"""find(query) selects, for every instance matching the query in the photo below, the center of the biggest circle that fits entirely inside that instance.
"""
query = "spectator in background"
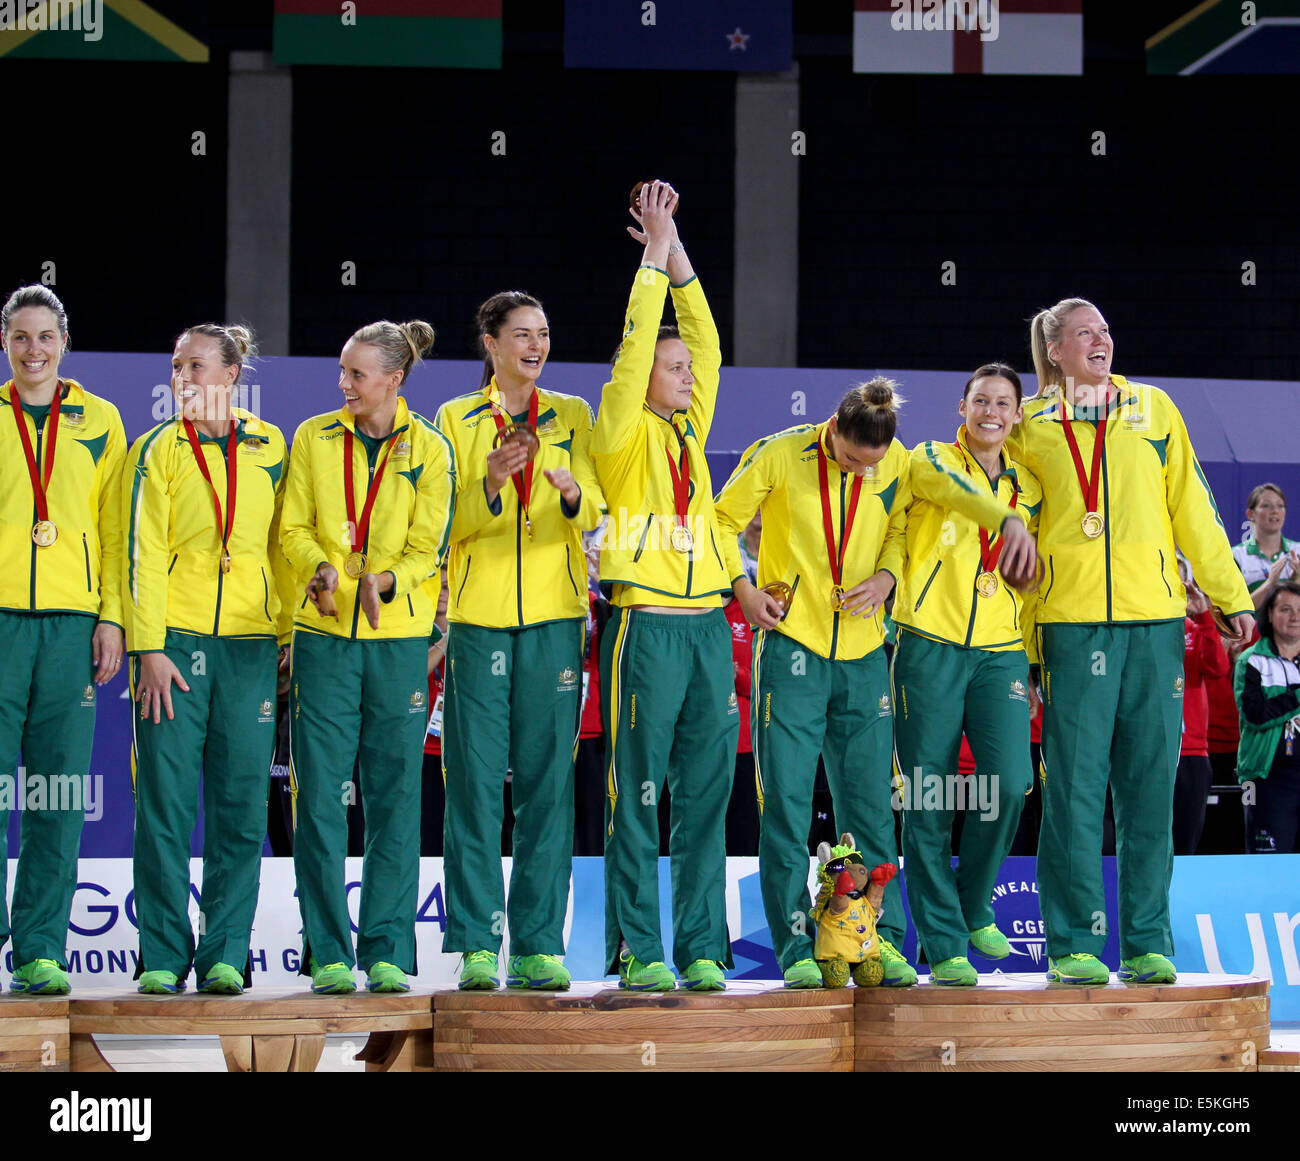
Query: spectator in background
(742, 810)
(1265, 556)
(748, 542)
(589, 767)
(433, 795)
(1266, 682)
(1203, 657)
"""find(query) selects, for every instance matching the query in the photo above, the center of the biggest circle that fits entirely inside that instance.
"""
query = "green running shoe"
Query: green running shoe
(386, 977)
(1151, 968)
(898, 972)
(223, 980)
(543, 973)
(332, 979)
(644, 977)
(480, 972)
(804, 974)
(704, 975)
(990, 942)
(160, 984)
(1077, 968)
(957, 972)
(41, 977)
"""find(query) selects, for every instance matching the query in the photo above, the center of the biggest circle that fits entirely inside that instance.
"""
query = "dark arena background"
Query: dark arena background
(851, 209)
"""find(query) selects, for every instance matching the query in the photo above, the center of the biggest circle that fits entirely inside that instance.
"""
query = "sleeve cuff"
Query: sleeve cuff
(388, 597)
(494, 506)
(570, 512)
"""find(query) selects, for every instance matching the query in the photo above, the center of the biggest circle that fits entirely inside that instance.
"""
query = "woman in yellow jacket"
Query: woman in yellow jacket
(367, 513)
(834, 500)
(61, 453)
(960, 664)
(203, 583)
(668, 695)
(514, 663)
(1121, 488)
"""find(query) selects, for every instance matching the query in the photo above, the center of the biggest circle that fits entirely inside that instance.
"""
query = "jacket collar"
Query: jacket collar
(400, 421)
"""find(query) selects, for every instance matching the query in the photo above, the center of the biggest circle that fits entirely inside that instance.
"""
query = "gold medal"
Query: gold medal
(1093, 525)
(780, 592)
(44, 533)
(837, 598)
(225, 562)
(354, 564)
(681, 539)
(986, 584)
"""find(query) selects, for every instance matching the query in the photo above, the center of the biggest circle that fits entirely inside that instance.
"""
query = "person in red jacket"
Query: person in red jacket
(589, 765)
(742, 809)
(1203, 658)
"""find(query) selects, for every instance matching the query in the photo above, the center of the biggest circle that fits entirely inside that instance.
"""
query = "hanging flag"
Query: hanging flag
(162, 30)
(735, 35)
(968, 36)
(1229, 39)
(454, 34)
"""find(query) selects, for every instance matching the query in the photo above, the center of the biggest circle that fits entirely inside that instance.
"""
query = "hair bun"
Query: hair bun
(420, 335)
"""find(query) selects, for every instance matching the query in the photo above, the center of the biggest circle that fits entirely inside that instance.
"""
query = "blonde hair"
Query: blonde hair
(1045, 328)
(400, 345)
(235, 344)
(868, 414)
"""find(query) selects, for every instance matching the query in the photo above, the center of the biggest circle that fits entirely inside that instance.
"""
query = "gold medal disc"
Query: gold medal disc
(1093, 525)
(780, 592)
(355, 565)
(522, 433)
(225, 562)
(44, 533)
(681, 539)
(837, 598)
(986, 584)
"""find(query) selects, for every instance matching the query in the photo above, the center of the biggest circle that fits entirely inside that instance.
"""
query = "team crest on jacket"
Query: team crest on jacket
(885, 709)
(1018, 691)
(567, 681)
(75, 418)
(88, 695)
(417, 702)
(266, 711)
(401, 448)
(733, 703)
(1178, 686)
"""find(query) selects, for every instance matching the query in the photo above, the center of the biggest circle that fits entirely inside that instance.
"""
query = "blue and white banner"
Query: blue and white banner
(1238, 915)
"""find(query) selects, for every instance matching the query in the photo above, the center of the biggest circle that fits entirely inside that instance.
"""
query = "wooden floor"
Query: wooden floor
(1008, 1023)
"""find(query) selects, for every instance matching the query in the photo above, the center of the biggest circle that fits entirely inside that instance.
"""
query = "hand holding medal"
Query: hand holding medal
(765, 607)
(320, 590)
(867, 597)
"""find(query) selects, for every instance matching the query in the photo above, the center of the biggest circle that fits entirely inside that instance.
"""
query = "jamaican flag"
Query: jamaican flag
(1229, 38)
(164, 30)
(423, 33)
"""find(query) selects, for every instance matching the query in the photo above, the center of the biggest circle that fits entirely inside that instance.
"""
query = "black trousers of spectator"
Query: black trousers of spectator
(1191, 790)
(1273, 822)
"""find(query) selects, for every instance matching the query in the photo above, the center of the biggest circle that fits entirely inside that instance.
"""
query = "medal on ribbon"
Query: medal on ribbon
(356, 563)
(527, 433)
(987, 583)
(834, 553)
(1093, 523)
(680, 537)
(227, 522)
(44, 532)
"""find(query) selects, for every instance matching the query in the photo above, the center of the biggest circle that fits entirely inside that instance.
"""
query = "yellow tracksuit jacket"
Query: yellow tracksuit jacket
(81, 571)
(779, 473)
(409, 525)
(1152, 496)
(631, 446)
(499, 577)
(951, 500)
(172, 575)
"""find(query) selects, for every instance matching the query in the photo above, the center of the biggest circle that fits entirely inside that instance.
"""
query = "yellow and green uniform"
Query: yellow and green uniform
(220, 629)
(959, 665)
(359, 692)
(51, 600)
(820, 681)
(668, 695)
(514, 673)
(1110, 631)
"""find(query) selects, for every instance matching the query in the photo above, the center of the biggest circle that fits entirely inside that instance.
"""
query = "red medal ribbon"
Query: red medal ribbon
(989, 560)
(360, 528)
(1089, 485)
(40, 483)
(836, 557)
(681, 478)
(523, 481)
(232, 480)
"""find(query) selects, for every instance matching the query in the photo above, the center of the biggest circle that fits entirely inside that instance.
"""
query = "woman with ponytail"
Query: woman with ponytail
(518, 582)
(834, 497)
(206, 600)
(1122, 490)
(367, 516)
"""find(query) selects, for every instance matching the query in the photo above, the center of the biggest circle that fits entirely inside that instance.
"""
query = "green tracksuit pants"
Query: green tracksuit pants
(668, 696)
(512, 702)
(224, 730)
(349, 700)
(940, 690)
(1113, 711)
(804, 705)
(47, 711)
